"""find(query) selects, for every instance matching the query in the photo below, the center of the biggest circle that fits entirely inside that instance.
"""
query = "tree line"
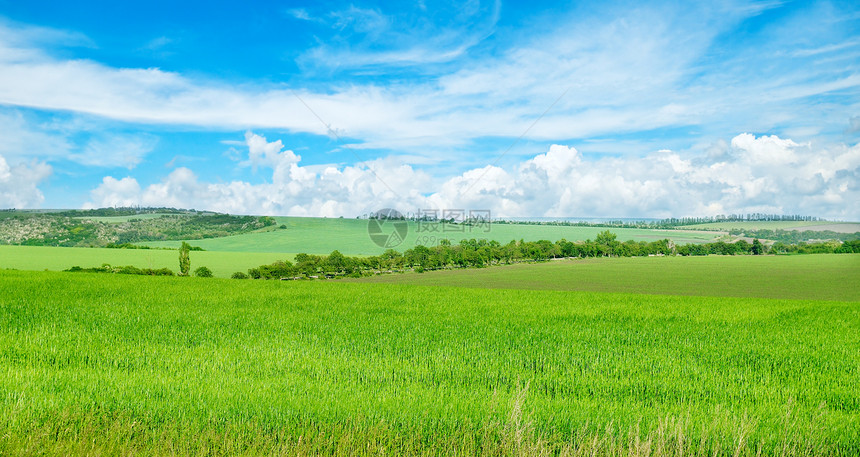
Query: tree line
(482, 253)
(474, 253)
(795, 236)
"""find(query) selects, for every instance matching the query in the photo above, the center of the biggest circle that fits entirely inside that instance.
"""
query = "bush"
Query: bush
(239, 275)
(160, 272)
(203, 272)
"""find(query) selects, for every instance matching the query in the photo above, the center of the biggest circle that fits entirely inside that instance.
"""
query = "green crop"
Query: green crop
(349, 236)
(814, 276)
(222, 264)
(111, 364)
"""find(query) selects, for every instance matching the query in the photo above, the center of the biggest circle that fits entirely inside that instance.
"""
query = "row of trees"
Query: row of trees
(668, 223)
(795, 236)
(483, 253)
(825, 247)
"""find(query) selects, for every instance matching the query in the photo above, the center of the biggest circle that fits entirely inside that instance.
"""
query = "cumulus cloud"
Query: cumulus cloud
(749, 174)
(293, 189)
(19, 183)
(117, 192)
(752, 174)
(263, 153)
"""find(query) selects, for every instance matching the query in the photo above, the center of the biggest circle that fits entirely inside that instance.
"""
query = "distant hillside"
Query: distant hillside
(111, 226)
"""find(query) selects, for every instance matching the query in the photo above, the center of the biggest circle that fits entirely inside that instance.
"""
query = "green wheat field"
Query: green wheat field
(758, 356)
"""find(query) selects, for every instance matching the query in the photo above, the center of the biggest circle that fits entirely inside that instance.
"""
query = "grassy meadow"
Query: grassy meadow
(349, 236)
(222, 264)
(812, 277)
(113, 364)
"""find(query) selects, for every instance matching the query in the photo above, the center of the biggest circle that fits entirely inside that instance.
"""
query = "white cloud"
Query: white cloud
(366, 39)
(764, 174)
(752, 174)
(115, 151)
(645, 68)
(263, 153)
(293, 189)
(299, 13)
(31, 136)
(116, 192)
(853, 125)
(19, 183)
(157, 44)
(20, 139)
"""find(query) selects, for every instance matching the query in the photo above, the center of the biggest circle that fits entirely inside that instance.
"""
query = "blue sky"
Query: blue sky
(622, 109)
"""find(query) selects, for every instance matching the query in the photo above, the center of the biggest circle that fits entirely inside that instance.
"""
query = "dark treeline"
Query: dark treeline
(673, 222)
(127, 211)
(753, 217)
(482, 253)
(826, 247)
(125, 270)
(143, 246)
(795, 236)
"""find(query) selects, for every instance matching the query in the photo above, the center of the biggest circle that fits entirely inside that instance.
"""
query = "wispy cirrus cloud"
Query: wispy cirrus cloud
(109, 151)
(642, 70)
(366, 38)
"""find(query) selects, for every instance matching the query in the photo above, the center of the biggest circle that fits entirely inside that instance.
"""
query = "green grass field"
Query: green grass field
(222, 264)
(112, 364)
(349, 236)
(817, 276)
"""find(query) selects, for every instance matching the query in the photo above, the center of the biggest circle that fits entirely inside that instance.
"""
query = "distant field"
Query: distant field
(349, 236)
(843, 227)
(222, 264)
(123, 365)
(818, 277)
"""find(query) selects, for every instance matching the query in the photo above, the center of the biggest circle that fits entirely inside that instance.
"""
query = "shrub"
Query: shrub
(129, 270)
(160, 272)
(239, 275)
(203, 272)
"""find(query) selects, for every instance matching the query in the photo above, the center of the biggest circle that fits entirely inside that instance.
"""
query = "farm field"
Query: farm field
(222, 264)
(113, 364)
(349, 236)
(841, 227)
(814, 276)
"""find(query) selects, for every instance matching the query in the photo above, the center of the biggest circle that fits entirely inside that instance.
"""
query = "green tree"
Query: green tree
(757, 247)
(336, 262)
(203, 272)
(184, 259)
(606, 240)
